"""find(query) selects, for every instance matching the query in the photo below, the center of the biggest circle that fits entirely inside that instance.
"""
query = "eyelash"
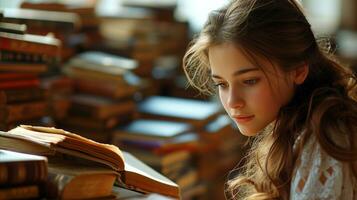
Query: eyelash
(251, 81)
(219, 85)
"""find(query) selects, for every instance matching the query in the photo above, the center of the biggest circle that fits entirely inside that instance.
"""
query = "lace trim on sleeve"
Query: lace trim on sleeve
(319, 176)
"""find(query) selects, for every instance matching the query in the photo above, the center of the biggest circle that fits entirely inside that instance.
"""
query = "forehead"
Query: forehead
(228, 57)
(227, 54)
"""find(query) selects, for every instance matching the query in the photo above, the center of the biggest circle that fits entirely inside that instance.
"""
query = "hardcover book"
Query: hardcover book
(51, 141)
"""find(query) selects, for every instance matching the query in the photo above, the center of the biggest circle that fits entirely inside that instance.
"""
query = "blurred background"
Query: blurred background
(110, 70)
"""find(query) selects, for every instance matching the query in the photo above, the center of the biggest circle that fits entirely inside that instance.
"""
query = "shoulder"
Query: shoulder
(317, 175)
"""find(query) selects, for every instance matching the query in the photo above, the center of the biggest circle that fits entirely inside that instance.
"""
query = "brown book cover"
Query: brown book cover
(71, 180)
(20, 192)
(30, 43)
(43, 19)
(20, 168)
(16, 76)
(104, 88)
(87, 74)
(50, 141)
(2, 99)
(25, 111)
(24, 57)
(21, 95)
(34, 68)
(103, 62)
(99, 107)
(90, 123)
(18, 84)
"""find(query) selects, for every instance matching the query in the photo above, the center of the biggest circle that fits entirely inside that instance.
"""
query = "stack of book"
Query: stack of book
(24, 58)
(104, 89)
(222, 141)
(216, 136)
(59, 24)
(23, 176)
(165, 135)
(87, 31)
(164, 145)
(79, 168)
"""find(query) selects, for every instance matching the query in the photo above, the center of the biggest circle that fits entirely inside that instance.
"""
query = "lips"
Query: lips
(243, 118)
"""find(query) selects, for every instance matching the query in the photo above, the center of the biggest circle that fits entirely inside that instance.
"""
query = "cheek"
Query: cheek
(263, 100)
(223, 96)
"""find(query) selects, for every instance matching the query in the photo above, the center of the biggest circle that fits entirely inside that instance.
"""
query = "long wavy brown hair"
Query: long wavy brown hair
(324, 105)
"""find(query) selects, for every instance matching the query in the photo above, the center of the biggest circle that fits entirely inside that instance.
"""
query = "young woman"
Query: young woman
(282, 88)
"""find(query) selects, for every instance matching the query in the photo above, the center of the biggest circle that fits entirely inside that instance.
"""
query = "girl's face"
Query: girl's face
(251, 97)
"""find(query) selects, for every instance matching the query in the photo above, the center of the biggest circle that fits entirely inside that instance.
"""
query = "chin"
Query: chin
(247, 131)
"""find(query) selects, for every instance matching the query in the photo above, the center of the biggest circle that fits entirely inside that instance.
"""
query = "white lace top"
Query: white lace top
(319, 176)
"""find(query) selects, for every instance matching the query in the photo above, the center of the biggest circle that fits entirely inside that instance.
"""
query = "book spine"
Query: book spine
(26, 111)
(27, 47)
(2, 98)
(12, 56)
(16, 76)
(23, 67)
(104, 89)
(23, 173)
(18, 84)
(22, 192)
(23, 95)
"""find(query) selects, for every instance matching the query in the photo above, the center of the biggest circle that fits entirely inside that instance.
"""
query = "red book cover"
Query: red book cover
(17, 84)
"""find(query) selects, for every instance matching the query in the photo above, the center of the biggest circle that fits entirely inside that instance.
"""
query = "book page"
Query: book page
(134, 165)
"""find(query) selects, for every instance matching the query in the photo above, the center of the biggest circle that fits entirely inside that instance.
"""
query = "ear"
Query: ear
(300, 74)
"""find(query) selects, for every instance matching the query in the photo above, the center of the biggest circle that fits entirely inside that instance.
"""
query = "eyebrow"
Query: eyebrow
(238, 72)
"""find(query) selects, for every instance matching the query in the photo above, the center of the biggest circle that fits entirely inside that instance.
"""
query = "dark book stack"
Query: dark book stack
(164, 145)
(157, 43)
(60, 25)
(24, 58)
(103, 95)
(223, 142)
(167, 128)
(23, 176)
(216, 137)
(87, 32)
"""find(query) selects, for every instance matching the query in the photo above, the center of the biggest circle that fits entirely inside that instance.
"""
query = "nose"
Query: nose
(235, 99)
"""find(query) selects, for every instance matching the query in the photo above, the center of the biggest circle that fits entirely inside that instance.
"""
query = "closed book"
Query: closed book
(71, 180)
(103, 62)
(20, 168)
(104, 88)
(18, 84)
(30, 43)
(23, 67)
(25, 57)
(150, 130)
(41, 18)
(198, 113)
(22, 95)
(20, 192)
(99, 107)
(89, 123)
(16, 76)
(13, 28)
(25, 111)
(87, 74)
(51, 141)
(188, 142)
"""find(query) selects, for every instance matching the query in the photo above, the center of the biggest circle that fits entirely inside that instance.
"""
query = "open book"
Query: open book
(133, 173)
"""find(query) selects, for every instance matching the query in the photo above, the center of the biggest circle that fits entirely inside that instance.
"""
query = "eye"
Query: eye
(220, 85)
(251, 81)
